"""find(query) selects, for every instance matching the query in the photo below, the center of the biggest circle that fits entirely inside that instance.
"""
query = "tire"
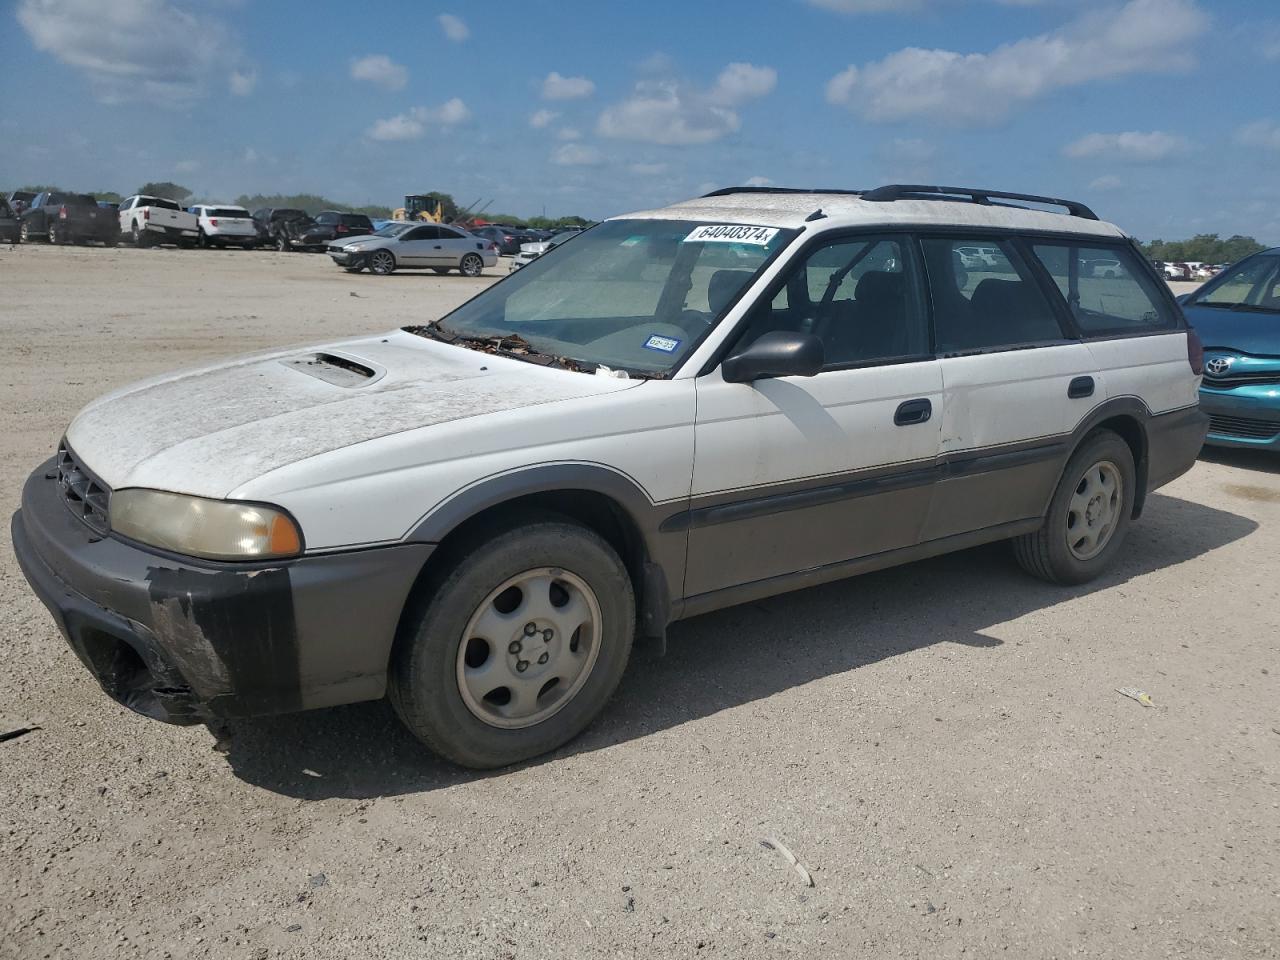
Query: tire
(202, 240)
(432, 684)
(353, 269)
(24, 232)
(382, 262)
(282, 245)
(140, 238)
(1087, 520)
(54, 235)
(471, 265)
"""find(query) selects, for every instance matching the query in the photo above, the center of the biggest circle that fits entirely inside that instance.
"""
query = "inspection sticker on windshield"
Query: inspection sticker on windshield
(664, 344)
(732, 233)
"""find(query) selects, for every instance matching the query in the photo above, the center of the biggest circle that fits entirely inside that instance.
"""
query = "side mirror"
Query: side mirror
(1182, 298)
(778, 353)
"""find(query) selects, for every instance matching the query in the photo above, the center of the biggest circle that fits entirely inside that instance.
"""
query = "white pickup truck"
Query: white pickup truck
(148, 220)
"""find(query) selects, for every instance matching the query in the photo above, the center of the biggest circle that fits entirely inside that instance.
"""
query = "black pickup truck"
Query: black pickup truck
(69, 218)
(282, 227)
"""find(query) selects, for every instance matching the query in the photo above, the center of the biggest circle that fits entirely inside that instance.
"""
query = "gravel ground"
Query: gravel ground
(941, 744)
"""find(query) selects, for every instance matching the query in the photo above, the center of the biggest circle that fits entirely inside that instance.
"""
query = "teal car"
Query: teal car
(1237, 315)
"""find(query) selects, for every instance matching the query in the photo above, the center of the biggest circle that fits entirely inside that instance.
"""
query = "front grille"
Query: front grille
(1242, 380)
(1246, 428)
(85, 496)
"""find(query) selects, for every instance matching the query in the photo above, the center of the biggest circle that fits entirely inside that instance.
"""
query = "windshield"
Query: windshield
(635, 295)
(395, 229)
(229, 212)
(1252, 284)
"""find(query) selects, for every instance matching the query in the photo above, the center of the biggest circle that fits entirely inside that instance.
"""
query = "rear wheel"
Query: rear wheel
(518, 648)
(54, 235)
(471, 265)
(282, 244)
(382, 262)
(1088, 516)
(139, 236)
(24, 233)
(202, 240)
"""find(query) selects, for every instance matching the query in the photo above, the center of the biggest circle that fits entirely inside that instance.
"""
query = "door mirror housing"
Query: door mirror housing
(778, 353)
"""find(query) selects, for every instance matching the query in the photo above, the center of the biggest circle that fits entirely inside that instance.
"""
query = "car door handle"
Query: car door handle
(1080, 387)
(913, 411)
(438, 247)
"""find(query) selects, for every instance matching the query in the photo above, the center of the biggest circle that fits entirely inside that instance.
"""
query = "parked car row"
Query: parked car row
(1189, 271)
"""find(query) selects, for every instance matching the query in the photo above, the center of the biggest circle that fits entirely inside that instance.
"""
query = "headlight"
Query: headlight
(353, 247)
(212, 529)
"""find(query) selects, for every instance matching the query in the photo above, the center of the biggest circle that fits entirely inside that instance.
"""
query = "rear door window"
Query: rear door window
(1106, 288)
(985, 298)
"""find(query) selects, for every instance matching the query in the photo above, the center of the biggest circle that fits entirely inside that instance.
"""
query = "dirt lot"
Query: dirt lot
(942, 744)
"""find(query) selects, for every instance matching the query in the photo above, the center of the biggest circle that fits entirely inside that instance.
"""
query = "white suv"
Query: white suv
(685, 408)
(223, 225)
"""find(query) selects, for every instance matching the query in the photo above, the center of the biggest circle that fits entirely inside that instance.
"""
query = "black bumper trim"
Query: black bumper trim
(188, 641)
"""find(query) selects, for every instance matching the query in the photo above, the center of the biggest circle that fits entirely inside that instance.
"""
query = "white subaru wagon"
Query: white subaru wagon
(685, 408)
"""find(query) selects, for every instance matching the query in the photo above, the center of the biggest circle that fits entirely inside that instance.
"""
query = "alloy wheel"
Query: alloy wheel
(529, 648)
(1094, 510)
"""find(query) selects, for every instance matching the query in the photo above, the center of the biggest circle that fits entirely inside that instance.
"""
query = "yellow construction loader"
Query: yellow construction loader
(419, 207)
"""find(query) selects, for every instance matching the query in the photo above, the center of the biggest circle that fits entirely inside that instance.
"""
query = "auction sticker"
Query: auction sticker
(731, 233)
(665, 344)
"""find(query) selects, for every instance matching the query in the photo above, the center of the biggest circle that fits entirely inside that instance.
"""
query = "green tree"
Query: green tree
(311, 203)
(165, 191)
(108, 195)
(1204, 247)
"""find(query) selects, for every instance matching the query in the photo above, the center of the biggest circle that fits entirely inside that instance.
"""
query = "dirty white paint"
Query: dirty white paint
(208, 431)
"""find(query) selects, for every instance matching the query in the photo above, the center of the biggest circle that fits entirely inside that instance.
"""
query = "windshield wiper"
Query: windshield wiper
(517, 347)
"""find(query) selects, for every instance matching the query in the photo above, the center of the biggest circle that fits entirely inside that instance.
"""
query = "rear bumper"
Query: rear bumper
(1247, 419)
(186, 642)
(174, 233)
(1173, 444)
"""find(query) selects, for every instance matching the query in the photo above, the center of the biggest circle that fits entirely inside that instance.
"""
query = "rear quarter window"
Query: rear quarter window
(1106, 288)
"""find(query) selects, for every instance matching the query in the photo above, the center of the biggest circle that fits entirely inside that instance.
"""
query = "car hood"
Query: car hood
(370, 241)
(208, 431)
(540, 247)
(1245, 331)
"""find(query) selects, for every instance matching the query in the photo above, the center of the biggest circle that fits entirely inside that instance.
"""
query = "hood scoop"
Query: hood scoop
(337, 370)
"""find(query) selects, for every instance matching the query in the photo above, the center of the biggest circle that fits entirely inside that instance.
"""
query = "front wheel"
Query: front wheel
(1088, 516)
(382, 262)
(518, 647)
(471, 265)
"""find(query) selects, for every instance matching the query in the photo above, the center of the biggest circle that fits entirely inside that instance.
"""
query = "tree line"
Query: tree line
(1203, 248)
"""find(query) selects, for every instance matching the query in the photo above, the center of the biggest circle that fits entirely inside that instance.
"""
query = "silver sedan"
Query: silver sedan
(415, 246)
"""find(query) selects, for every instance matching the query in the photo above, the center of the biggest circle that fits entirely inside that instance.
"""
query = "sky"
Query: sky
(1163, 115)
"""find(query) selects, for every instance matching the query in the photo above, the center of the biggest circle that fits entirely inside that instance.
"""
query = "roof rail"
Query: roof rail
(729, 191)
(912, 191)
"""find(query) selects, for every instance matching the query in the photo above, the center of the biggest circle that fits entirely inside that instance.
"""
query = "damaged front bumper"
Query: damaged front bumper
(187, 641)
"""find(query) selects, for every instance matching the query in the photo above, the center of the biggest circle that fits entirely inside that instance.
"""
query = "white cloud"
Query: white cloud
(1261, 133)
(412, 125)
(1142, 36)
(380, 69)
(576, 155)
(671, 112)
(569, 133)
(556, 87)
(454, 27)
(1131, 145)
(243, 82)
(542, 118)
(1105, 183)
(137, 49)
(758, 182)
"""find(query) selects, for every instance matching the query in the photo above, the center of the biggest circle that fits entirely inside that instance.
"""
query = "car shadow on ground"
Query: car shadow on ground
(1261, 461)
(730, 657)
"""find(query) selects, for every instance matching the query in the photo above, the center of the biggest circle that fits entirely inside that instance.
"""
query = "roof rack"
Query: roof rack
(912, 191)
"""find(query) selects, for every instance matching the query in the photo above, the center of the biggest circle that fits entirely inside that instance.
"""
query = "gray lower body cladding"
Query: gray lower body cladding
(188, 642)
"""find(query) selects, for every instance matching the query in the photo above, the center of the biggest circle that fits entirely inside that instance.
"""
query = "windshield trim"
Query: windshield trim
(792, 237)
